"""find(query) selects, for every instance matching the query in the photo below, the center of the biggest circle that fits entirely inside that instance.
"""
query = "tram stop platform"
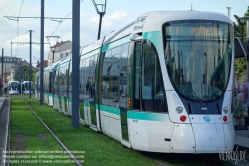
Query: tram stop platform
(4, 128)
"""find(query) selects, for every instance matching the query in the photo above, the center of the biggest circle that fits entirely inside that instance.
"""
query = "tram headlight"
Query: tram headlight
(179, 109)
(225, 110)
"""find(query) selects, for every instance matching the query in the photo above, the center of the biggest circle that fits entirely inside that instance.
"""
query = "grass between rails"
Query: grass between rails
(30, 139)
(99, 149)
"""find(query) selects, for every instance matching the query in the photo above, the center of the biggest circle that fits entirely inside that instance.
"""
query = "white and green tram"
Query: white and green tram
(14, 88)
(161, 84)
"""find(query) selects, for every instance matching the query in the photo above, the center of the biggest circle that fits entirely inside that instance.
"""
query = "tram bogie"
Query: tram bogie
(160, 84)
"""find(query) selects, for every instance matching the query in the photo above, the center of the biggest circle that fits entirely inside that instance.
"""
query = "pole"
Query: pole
(100, 21)
(4, 74)
(30, 61)
(2, 70)
(11, 48)
(53, 57)
(75, 62)
(42, 53)
(20, 73)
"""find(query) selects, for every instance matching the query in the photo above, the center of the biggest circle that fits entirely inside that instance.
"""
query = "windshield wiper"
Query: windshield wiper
(181, 74)
(193, 92)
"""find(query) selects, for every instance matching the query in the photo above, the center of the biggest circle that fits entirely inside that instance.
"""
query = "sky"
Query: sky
(118, 14)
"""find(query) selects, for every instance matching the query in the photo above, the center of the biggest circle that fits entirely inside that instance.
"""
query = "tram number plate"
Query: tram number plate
(135, 120)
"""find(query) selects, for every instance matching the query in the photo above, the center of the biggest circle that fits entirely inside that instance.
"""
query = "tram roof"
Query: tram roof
(66, 59)
(24, 82)
(155, 19)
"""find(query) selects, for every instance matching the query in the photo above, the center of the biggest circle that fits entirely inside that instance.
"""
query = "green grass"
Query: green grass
(99, 149)
(28, 134)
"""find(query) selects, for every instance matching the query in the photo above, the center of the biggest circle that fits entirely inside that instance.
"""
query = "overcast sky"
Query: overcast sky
(118, 14)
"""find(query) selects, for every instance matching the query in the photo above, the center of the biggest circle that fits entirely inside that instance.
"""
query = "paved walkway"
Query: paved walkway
(242, 138)
(242, 141)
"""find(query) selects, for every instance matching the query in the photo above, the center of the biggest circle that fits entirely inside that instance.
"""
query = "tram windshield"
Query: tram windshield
(26, 85)
(198, 57)
(13, 86)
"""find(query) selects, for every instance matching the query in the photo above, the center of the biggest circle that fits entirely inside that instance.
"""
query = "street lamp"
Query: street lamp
(101, 13)
(53, 50)
(228, 11)
(246, 18)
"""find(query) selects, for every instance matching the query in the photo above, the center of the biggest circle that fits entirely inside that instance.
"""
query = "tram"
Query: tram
(26, 87)
(14, 87)
(160, 84)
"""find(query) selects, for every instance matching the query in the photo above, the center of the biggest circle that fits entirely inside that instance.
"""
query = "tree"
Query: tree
(240, 31)
(24, 73)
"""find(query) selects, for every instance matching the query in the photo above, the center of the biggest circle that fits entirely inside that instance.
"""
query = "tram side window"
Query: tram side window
(87, 78)
(45, 86)
(106, 77)
(45, 82)
(61, 80)
(153, 93)
(84, 79)
(110, 77)
(66, 78)
(81, 79)
(114, 77)
(70, 81)
(123, 76)
(94, 74)
(56, 82)
(91, 80)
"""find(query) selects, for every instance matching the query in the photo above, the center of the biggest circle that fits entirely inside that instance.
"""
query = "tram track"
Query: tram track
(153, 159)
(72, 156)
(159, 163)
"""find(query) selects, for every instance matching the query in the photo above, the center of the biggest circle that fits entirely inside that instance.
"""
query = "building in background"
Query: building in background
(7, 63)
(16, 69)
(59, 51)
(39, 64)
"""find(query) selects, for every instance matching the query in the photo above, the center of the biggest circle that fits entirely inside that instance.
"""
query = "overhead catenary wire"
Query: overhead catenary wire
(17, 31)
(59, 6)
(19, 8)
(62, 21)
(35, 18)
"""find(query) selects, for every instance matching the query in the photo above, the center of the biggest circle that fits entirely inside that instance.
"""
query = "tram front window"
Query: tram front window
(198, 57)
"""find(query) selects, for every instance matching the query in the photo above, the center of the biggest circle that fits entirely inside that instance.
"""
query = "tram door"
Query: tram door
(123, 90)
(90, 112)
(149, 94)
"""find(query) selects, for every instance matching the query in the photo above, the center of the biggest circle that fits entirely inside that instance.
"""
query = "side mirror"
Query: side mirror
(241, 48)
(134, 37)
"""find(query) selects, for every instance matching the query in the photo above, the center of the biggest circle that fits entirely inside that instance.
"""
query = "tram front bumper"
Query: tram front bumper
(202, 138)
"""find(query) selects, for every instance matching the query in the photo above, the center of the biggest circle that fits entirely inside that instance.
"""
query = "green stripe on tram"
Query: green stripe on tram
(89, 54)
(116, 43)
(147, 116)
(109, 109)
(87, 104)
